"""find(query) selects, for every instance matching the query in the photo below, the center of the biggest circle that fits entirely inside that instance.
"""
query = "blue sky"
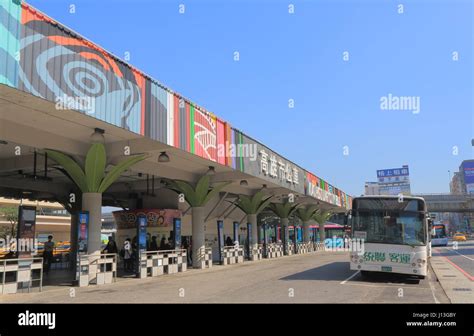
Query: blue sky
(300, 56)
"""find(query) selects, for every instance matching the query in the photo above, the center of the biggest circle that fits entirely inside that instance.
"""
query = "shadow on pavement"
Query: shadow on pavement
(387, 278)
(336, 271)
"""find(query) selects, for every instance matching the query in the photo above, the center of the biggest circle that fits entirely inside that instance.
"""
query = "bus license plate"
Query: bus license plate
(386, 269)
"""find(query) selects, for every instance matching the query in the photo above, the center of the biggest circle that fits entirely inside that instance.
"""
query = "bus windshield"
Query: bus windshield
(439, 231)
(390, 227)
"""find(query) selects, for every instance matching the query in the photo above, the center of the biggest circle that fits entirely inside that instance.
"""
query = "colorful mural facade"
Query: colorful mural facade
(40, 56)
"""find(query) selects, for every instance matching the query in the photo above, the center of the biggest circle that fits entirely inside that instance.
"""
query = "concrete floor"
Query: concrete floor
(321, 277)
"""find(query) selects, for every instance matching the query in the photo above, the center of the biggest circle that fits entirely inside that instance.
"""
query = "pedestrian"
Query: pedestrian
(127, 255)
(163, 244)
(153, 244)
(111, 247)
(228, 241)
(168, 245)
(48, 254)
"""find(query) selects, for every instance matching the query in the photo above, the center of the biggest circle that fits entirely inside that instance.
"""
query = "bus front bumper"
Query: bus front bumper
(396, 269)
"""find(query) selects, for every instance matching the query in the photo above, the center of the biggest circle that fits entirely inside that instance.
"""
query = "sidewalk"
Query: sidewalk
(457, 286)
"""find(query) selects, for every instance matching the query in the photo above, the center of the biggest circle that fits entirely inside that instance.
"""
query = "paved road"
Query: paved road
(461, 255)
(321, 277)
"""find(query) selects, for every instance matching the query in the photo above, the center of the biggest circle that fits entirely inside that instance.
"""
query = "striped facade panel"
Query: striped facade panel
(183, 122)
(229, 142)
(59, 66)
(156, 113)
(10, 30)
(237, 159)
(221, 142)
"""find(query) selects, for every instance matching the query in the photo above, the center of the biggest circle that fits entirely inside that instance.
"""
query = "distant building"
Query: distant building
(462, 181)
(455, 186)
(393, 181)
(372, 188)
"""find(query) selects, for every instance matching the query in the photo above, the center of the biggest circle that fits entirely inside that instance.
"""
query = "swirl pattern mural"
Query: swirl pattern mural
(68, 67)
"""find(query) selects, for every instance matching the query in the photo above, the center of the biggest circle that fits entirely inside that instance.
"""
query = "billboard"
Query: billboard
(154, 217)
(468, 172)
(394, 181)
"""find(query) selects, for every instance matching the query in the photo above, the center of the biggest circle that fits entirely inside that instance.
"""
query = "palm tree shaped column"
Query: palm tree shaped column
(197, 196)
(306, 214)
(252, 206)
(321, 217)
(284, 211)
(93, 182)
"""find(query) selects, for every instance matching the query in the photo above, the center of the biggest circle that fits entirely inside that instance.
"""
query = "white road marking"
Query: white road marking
(349, 278)
(462, 255)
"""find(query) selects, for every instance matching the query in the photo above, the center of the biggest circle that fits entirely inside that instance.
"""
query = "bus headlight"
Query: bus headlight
(413, 264)
(418, 261)
(415, 271)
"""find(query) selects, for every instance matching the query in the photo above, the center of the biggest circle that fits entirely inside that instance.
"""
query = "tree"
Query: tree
(197, 196)
(10, 214)
(321, 217)
(93, 181)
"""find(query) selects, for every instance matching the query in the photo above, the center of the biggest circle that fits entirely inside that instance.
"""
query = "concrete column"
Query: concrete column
(198, 244)
(306, 232)
(252, 219)
(284, 234)
(322, 233)
(92, 202)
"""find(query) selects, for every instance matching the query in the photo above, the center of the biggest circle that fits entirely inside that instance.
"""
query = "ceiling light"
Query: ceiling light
(163, 157)
(98, 136)
(211, 171)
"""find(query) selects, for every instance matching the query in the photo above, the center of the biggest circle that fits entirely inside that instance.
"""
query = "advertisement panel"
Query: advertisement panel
(26, 231)
(177, 232)
(468, 171)
(141, 233)
(83, 232)
(394, 181)
(128, 219)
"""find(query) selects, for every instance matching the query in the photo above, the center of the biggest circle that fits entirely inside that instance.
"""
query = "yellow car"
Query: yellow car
(459, 237)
